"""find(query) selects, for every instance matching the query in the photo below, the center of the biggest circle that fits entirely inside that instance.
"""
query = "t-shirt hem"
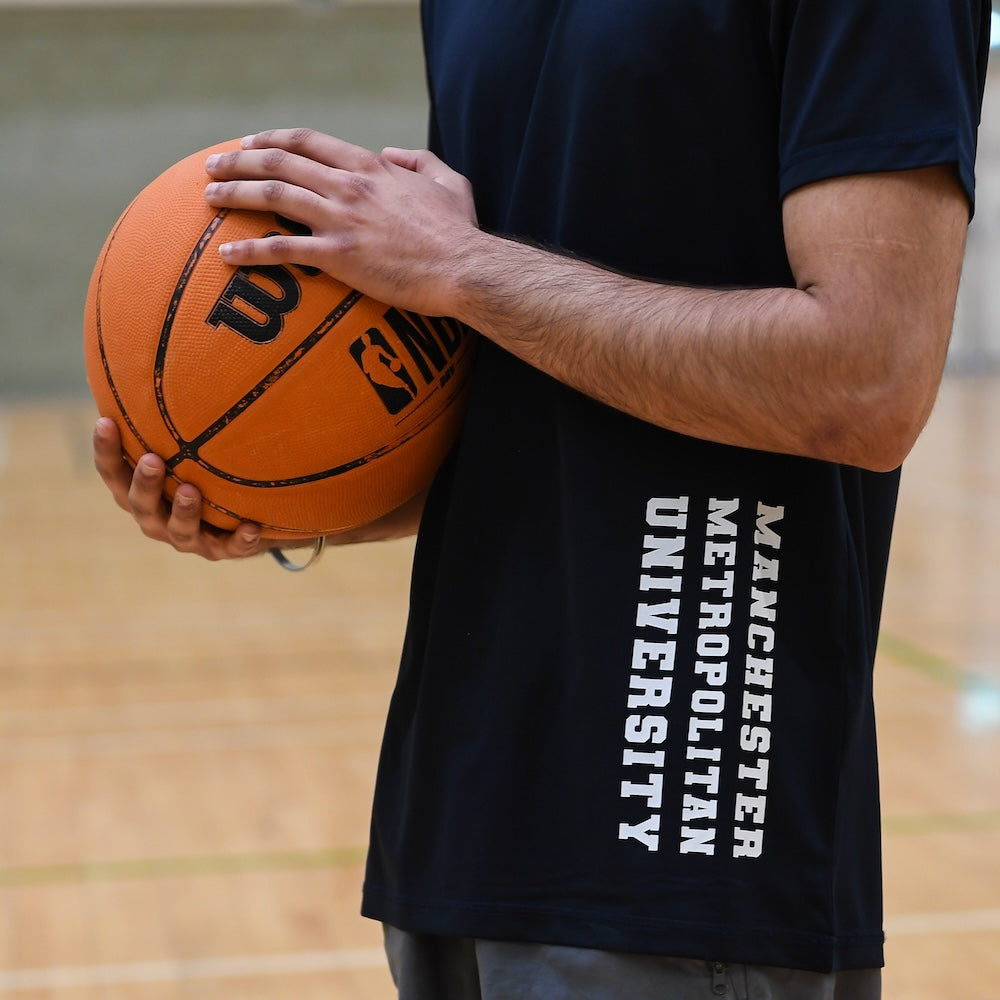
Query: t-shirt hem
(783, 948)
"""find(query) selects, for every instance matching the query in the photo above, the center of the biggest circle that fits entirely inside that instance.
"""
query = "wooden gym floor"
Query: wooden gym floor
(187, 750)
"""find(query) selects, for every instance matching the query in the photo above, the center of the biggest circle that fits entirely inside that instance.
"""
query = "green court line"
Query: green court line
(936, 667)
(943, 823)
(140, 868)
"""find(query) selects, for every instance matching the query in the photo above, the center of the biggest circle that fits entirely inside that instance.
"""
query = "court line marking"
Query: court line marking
(179, 867)
(118, 869)
(909, 655)
(89, 718)
(237, 737)
(942, 823)
(188, 969)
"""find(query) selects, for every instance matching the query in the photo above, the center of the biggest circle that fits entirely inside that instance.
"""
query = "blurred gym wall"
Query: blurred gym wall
(96, 98)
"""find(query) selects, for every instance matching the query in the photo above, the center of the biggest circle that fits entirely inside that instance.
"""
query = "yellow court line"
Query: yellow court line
(942, 823)
(141, 868)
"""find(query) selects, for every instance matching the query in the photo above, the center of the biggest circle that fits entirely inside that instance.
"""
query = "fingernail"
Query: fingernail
(226, 250)
(250, 535)
(213, 161)
(211, 190)
(247, 140)
(103, 427)
(147, 468)
(184, 501)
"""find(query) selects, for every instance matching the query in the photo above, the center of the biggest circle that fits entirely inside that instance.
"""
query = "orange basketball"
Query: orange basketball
(286, 397)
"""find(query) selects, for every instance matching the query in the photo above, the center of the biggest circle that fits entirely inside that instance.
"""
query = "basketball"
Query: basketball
(286, 397)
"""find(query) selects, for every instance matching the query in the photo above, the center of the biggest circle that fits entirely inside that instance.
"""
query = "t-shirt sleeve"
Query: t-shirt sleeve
(872, 85)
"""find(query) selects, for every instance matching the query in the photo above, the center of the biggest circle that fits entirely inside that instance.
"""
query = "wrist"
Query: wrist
(479, 287)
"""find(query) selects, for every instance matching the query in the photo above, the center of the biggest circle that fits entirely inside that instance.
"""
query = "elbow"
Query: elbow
(888, 452)
(875, 425)
(876, 387)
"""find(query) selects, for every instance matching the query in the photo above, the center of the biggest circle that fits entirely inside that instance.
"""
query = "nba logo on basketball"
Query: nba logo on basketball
(384, 370)
(429, 343)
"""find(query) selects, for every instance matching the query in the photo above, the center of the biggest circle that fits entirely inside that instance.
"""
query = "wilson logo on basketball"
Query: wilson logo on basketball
(269, 302)
(429, 343)
(264, 319)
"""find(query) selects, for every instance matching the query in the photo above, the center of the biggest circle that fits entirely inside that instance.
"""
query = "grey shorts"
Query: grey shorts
(429, 967)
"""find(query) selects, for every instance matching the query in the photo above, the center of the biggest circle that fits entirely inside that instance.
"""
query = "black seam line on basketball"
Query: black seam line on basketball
(346, 466)
(320, 529)
(100, 341)
(189, 449)
(338, 470)
(168, 319)
(325, 473)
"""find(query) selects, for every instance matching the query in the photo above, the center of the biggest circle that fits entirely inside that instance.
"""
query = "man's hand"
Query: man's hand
(393, 225)
(140, 493)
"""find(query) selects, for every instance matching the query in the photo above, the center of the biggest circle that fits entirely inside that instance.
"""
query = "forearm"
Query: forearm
(844, 367)
(721, 365)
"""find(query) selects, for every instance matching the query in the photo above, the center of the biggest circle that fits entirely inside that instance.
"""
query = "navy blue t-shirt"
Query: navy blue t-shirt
(634, 709)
